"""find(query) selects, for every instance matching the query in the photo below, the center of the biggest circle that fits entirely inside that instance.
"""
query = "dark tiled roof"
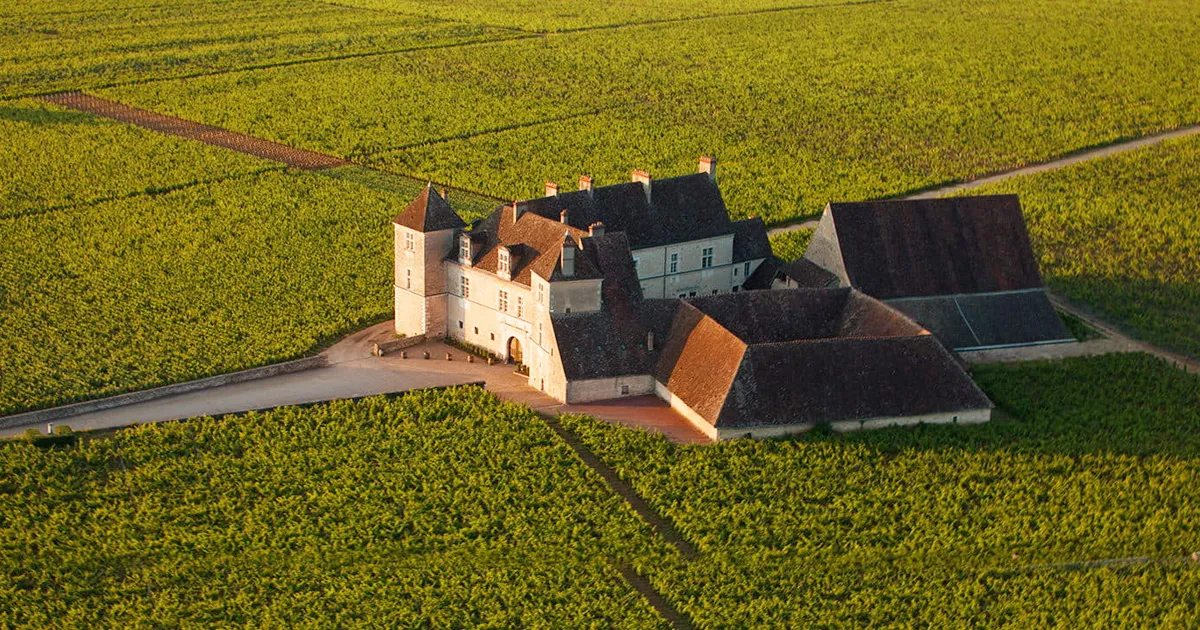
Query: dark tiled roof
(750, 240)
(429, 212)
(981, 320)
(684, 208)
(807, 274)
(798, 356)
(764, 275)
(611, 343)
(846, 379)
(894, 249)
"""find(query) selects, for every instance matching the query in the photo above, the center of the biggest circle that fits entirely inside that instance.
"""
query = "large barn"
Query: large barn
(962, 267)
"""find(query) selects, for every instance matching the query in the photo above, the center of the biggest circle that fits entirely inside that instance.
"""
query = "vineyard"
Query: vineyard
(48, 49)
(817, 105)
(450, 509)
(208, 279)
(1120, 235)
(945, 525)
(791, 245)
(437, 509)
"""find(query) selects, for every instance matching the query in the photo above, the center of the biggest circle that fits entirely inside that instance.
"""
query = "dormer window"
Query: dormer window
(504, 264)
(464, 249)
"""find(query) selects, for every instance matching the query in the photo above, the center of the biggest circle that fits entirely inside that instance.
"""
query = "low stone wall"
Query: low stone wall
(388, 347)
(42, 416)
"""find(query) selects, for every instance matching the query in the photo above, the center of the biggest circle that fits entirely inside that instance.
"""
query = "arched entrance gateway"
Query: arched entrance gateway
(514, 351)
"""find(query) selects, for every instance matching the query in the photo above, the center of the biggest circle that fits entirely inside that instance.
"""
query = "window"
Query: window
(706, 258)
(464, 249)
(735, 270)
(674, 263)
(408, 278)
(692, 294)
(504, 262)
(735, 288)
(520, 305)
(747, 270)
(567, 310)
(476, 330)
(624, 390)
(714, 291)
(682, 295)
(408, 241)
(539, 333)
(464, 286)
(493, 336)
(460, 324)
(541, 294)
(503, 306)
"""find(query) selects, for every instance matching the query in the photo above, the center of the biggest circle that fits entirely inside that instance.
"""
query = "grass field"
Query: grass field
(817, 105)
(945, 525)
(432, 510)
(1122, 235)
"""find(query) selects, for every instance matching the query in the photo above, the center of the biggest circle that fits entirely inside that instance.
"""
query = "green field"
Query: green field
(154, 289)
(791, 245)
(1122, 235)
(432, 510)
(450, 509)
(801, 107)
(945, 526)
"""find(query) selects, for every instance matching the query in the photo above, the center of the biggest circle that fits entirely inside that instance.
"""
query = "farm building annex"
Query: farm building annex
(648, 287)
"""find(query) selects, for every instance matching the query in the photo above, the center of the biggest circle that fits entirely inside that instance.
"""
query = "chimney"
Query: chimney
(516, 211)
(562, 216)
(443, 192)
(585, 183)
(643, 178)
(596, 229)
(708, 165)
(568, 256)
(551, 189)
(650, 341)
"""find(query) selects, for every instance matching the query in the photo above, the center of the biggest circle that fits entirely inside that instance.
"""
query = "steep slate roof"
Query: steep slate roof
(683, 208)
(540, 240)
(924, 247)
(766, 358)
(429, 212)
(606, 344)
(750, 240)
(988, 320)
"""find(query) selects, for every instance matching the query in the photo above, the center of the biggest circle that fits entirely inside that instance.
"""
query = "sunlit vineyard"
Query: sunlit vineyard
(791, 245)
(45, 48)
(209, 279)
(1122, 235)
(437, 509)
(817, 105)
(52, 157)
(905, 524)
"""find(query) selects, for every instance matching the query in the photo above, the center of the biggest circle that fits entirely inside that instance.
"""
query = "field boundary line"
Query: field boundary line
(275, 64)
(1112, 331)
(623, 489)
(149, 192)
(715, 16)
(643, 587)
(1084, 565)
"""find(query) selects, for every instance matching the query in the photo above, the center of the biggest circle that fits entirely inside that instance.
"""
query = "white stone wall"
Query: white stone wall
(420, 280)
(654, 269)
(606, 388)
(575, 296)
(478, 318)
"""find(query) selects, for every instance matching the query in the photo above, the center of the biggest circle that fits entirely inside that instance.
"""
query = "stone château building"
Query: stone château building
(648, 287)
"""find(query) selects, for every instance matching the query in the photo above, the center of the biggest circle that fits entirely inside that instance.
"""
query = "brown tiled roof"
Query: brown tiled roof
(797, 356)
(540, 240)
(429, 212)
(910, 248)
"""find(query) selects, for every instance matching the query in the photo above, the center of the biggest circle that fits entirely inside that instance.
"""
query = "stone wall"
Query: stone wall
(57, 413)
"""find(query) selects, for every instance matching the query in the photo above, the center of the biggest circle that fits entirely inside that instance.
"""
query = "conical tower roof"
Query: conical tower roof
(429, 212)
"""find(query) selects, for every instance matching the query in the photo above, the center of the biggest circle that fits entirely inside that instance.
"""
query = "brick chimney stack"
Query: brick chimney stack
(562, 216)
(708, 165)
(643, 178)
(551, 189)
(585, 183)
(596, 229)
(516, 211)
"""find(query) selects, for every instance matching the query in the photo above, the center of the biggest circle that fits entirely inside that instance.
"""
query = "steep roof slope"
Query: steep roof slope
(911, 248)
(429, 212)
